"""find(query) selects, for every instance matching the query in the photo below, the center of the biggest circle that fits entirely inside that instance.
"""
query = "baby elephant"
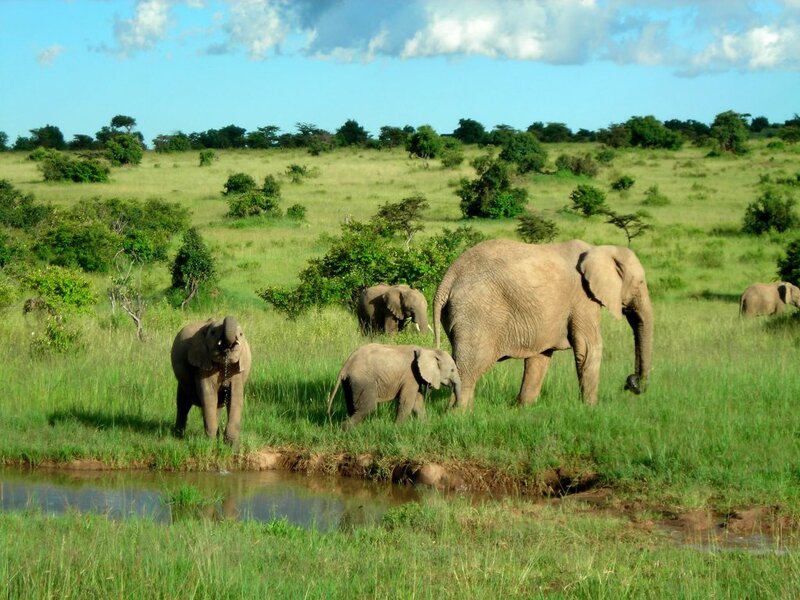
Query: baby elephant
(768, 298)
(211, 361)
(378, 373)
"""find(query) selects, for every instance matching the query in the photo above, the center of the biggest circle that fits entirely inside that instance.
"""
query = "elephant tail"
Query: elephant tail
(332, 395)
(439, 300)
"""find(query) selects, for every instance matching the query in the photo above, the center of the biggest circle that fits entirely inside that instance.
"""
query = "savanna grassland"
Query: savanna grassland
(716, 431)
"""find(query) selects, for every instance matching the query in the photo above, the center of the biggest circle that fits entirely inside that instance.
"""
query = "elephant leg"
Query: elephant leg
(361, 403)
(588, 355)
(209, 403)
(184, 404)
(472, 362)
(234, 404)
(390, 325)
(533, 376)
(419, 407)
(407, 400)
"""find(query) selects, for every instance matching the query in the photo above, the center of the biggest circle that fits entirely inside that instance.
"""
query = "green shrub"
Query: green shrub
(653, 197)
(524, 150)
(577, 165)
(535, 228)
(8, 291)
(789, 264)
(296, 212)
(297, 172)
(605, 156)
(772, 211)
(41, 153)
(61, 167)
(251, 204)
(271, 187)
(207, 157)
(193, 267)
(239, 183)
(625, 182)
(60, 287)
(19, 210)
(491, 194)
(588, 200)
(452, 156)
(57, 338)
(90, 246)
(124, 149)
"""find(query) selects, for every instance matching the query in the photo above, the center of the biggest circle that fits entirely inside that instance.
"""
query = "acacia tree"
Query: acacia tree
(405, 216)
(424, 143)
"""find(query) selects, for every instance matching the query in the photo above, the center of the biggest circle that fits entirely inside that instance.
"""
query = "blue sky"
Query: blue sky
(193, 65)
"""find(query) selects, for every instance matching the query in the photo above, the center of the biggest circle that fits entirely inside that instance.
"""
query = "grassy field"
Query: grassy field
(716, 429)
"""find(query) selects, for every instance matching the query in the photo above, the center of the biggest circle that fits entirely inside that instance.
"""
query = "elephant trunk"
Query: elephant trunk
(640, 317)
(421, 319)
(230, 329)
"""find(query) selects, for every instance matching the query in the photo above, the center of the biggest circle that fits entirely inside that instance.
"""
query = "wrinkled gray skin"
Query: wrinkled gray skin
(199, 356)
(385, 308)
(378, 373)
(768, 298)
(505, 299)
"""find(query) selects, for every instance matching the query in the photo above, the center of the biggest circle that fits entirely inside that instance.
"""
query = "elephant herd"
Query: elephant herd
(500, 299)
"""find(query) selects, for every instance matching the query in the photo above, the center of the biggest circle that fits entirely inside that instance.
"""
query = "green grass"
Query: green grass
(717, 428)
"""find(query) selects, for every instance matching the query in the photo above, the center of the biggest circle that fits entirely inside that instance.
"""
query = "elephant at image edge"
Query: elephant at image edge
(211, 361)
(379, 372)
(504, 299)
(384, 308)
(768, 298)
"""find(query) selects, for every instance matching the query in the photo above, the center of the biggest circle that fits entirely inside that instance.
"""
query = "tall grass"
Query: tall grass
(716, 425)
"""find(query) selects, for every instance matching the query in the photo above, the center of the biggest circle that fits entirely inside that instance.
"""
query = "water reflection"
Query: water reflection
(321, 503)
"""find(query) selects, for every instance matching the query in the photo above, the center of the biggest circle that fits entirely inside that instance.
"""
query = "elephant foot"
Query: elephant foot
(632, 384)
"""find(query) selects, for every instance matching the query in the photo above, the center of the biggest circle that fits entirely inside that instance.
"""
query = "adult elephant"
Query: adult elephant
(211, 361)
(768, 298)
(504, 299)
(384, 308)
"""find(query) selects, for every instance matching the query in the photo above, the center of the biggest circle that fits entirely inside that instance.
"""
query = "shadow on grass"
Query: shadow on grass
(719, 296)
(105, 420)
(786, 323)
(297, 399)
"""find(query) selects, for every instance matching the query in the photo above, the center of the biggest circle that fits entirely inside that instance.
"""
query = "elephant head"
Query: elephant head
(614, 277)
(436, 368)
(789, 293)
(216, 344)
(404, 302)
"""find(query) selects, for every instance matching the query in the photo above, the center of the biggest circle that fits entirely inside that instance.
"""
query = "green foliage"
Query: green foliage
(351, 134)
(297, 172)
(404, 217)
(61, 167)
(789, 264)
(731, 133)
(624, 182)
(588, 200)
(649, 132)
(124, 149)
(577, 165)
(19, 210)
(194, 266)
(470, 131)
(60, 287)
(772, 211)
(632, 224)
(654, 197)
(491, 194)
(366, 253)
(296, 212)
(452, 154)
(271, 187)
(239, 183)
(178, 142)
(525, 151)
(424, 143)
(252, 203)
(90, 246)
(207, 156)
(57, 338)
(535, 228)
(41, 153)
(605, 156)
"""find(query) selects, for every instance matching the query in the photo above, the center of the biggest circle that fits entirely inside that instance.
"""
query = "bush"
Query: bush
(653, 197)
(193, 267)
(605, 156)
(124, 149)
(207, 156)
(42, 153)
(61, 167)
(252, 203)
(491, 194)
(772, 211)
(19, 210)
(577, 165)
(789, 265)
(588, 200)
(452, 156)
(63, 288)
(535, 228)
(297, 172)
(296, 212)
(271, 187)
(625, 182)
(525, 151)
(89, 246)
(239, 183)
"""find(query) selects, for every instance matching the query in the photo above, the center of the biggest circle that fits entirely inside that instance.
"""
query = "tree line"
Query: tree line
(639, 131)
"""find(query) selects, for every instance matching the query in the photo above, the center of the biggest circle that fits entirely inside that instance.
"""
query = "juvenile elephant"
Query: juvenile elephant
(378, 373)
(768, 298)
(385, 308)
(211, 361)
(504, 299)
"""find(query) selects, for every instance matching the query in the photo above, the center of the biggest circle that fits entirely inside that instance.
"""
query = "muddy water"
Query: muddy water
(323, 503)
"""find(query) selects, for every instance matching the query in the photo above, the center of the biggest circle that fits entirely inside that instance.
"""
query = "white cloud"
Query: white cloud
(759, 48)
(47, 56)
(147, 27)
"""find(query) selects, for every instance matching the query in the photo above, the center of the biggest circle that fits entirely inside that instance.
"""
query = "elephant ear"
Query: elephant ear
(784, 292)
(603, 274)
(198, 354)
(428, 367)
(394, 303)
